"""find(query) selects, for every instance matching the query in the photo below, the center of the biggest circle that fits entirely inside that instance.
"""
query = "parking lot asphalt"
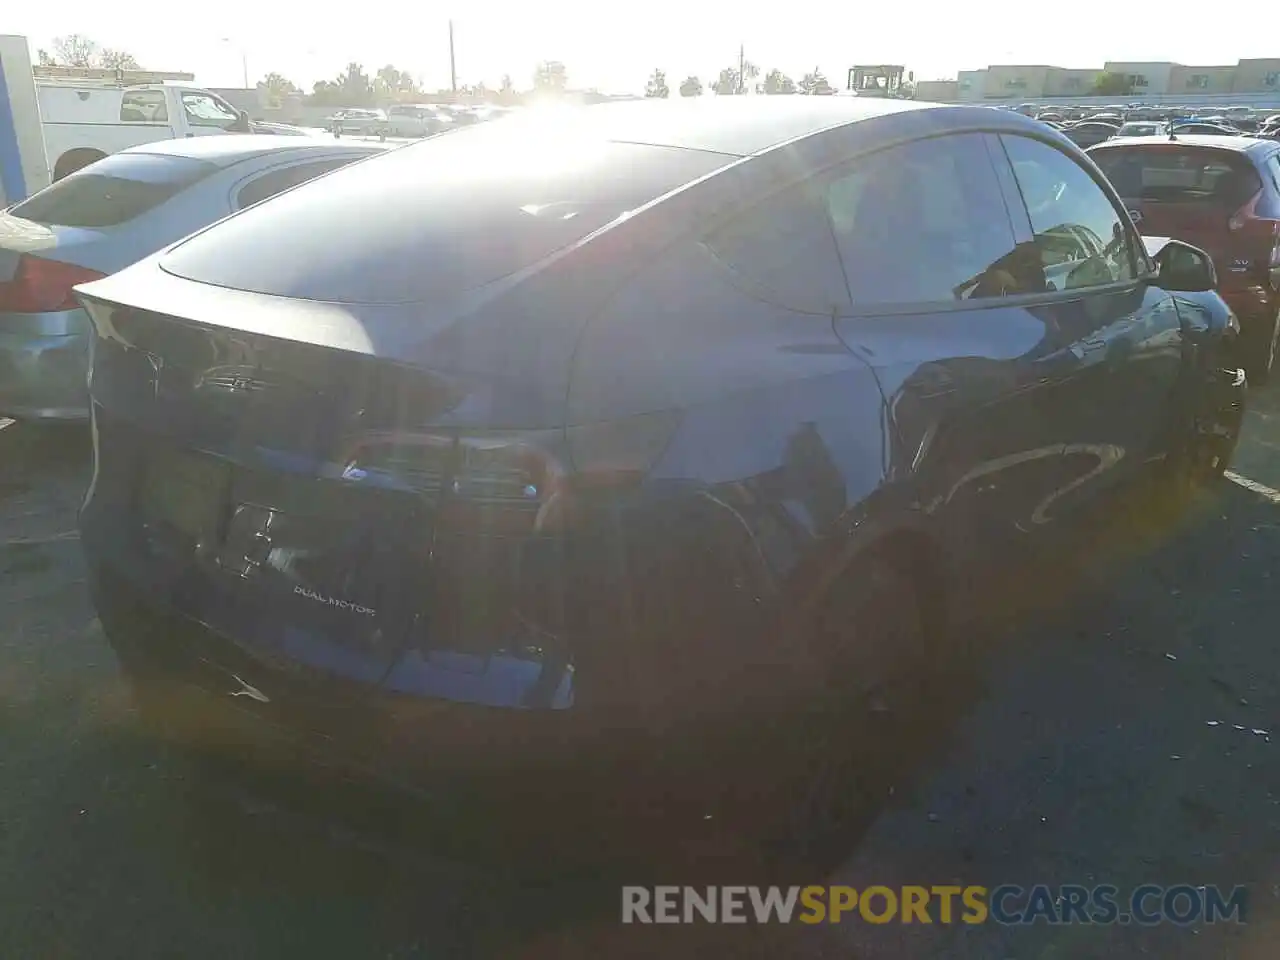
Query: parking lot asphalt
(1123, 731)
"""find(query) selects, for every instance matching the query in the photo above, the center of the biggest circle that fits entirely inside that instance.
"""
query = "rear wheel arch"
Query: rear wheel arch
(75, 159)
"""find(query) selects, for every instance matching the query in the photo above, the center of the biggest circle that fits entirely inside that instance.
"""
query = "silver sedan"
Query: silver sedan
(109, 215)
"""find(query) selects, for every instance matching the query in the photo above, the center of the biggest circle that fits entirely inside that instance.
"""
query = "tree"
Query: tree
(657, 86)
(727, 83)
(323, 94)
(118, 60)
(354, 86)
(692, 87)
(75, 50)
(1112, 84)
(815, 83)
(279, 84)
(748, 73)
(776, 81)
(507, 90)
(393, 84)
(549, 77)
(276, 87)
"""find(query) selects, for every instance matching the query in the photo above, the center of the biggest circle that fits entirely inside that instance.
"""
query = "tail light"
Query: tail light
(1264, 230)
(486, 484)
(509, 483)
(1246, 214)
(43, 286)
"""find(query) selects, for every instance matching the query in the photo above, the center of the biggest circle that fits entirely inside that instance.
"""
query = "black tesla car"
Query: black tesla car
(578, 448)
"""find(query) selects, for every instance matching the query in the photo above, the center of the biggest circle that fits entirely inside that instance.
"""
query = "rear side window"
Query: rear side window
(926, 223)
(144, 106)
(782, 251)
(1273, 168)
(438, 217)
(113, 191)
(1169, 173)
(278, 181)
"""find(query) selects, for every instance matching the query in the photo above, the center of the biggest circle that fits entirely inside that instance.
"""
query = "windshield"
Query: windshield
(203, 109)
(113, 191)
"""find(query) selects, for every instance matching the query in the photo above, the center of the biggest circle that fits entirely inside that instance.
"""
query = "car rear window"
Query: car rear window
(113, 191)
(1174, 174)
(436, 218)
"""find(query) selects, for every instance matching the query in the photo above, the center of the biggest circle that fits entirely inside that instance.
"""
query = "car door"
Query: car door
(937, 283)
(1116, 338)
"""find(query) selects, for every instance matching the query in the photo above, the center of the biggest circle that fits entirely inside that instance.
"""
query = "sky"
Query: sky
(615, 47)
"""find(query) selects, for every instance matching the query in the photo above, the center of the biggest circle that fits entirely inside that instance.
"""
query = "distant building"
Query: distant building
(938, 91)
(971, 84)
(1146, 79)
(1257, 76)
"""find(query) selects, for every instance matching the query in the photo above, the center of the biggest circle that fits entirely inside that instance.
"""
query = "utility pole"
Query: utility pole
(453, 67)
(742, 65)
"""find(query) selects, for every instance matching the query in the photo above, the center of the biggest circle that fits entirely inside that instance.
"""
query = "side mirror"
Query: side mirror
(241, 124)
(1182, 268)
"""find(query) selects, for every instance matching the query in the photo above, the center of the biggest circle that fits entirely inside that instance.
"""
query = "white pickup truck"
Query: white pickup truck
(84, 120)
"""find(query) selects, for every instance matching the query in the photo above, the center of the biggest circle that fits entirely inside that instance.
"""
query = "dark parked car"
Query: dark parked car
(654, 455)
(1088, 132)
(1223, 195)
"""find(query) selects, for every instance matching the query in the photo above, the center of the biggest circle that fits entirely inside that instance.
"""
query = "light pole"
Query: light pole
(453, 65)
(244, 60)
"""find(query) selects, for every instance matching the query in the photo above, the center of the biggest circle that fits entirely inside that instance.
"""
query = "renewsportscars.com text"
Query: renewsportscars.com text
(1008, 904)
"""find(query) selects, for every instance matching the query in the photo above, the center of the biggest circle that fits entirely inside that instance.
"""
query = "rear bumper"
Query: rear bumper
(235, 703)
(44, 365)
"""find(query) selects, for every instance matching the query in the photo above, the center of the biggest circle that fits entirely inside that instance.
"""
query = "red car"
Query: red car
(1221, 194)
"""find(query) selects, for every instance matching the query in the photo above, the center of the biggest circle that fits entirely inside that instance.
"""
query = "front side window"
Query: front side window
(926, 223)
(1080, 236)
(202, 110)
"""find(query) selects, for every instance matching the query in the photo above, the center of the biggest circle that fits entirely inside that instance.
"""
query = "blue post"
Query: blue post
(12, 180)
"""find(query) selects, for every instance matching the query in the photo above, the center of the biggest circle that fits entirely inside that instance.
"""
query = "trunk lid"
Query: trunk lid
(219, 484)
(228, 427)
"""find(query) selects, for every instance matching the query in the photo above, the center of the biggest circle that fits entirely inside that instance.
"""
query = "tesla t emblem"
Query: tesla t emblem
(248, 690)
